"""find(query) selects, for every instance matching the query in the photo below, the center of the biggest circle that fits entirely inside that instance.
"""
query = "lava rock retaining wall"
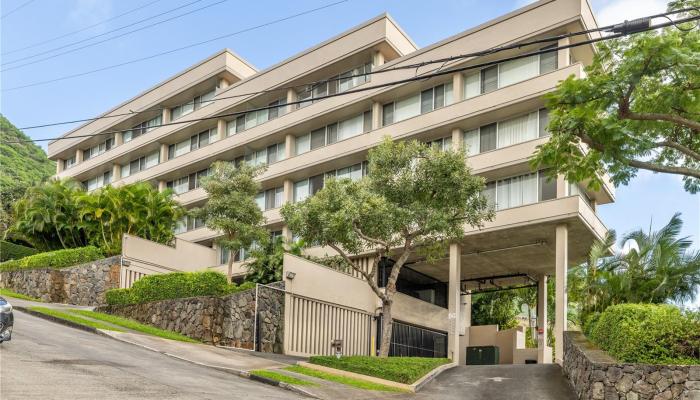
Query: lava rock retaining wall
(83, 284)
(596, 375)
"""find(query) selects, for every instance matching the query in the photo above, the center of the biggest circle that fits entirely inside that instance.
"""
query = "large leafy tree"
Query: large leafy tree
(231, 208)
(415, 199)
(659, 269)
(637, 108)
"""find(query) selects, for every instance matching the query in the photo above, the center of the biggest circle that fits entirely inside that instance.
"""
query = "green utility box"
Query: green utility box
(482, 355)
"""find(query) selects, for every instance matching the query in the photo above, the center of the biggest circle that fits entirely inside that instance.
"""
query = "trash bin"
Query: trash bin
(482, 355)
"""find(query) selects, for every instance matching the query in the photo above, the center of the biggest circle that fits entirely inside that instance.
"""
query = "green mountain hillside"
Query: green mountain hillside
(21, 165)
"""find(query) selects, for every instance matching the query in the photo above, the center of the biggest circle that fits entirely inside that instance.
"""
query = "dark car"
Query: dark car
(6, 320)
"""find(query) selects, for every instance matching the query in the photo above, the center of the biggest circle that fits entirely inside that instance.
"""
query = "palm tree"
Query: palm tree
(661, 269)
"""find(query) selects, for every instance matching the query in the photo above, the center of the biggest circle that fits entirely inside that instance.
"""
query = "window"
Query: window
(420, 103)
(188, 223)
(508, 73)
(192, 105)
(98, 181)
(188, 182)
(506, 133)
(334, 132)
(141, 164)
(442, 143)
(98, 149)
(335, 84)
(68, 162)
(269, 155)
(520, 190)
(254, 118)
(309, 187)
(193, 143)
(141, 129)
(271, 198)
(576, 190)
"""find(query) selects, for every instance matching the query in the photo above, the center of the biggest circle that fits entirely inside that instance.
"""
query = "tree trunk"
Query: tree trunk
(387, 325)
(229, 275)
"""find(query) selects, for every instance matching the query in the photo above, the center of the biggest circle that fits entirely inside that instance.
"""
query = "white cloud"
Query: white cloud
(612, 11)
(88, 12)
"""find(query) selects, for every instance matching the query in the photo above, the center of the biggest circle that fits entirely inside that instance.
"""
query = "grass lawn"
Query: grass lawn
(282, 377)
(358, 383)
(398, 369)
(10, 293)
(135, 326)
(74, 318)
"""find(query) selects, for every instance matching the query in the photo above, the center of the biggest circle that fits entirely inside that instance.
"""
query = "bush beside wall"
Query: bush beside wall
(55, 259)
(12, 251)
(176, 285)
(647, 333)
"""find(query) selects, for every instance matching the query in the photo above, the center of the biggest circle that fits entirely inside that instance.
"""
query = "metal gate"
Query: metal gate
(414, 341)
(311, 326)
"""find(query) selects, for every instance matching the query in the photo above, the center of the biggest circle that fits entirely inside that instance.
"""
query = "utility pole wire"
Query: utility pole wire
(26, 3)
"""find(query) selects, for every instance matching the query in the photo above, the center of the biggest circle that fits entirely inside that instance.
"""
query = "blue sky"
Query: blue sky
(648, 198)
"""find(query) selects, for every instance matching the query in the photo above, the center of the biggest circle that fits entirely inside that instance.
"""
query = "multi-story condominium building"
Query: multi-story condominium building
(496, 115)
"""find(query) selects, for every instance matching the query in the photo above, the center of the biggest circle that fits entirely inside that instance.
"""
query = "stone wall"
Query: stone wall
(83, 284)
(224, 321)
(596, 375)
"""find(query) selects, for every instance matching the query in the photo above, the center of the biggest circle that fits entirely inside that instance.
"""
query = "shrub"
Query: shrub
(175, 285)
(589, 322)
(648, 333)
(55, 259)
(11, 251)
(119, 296)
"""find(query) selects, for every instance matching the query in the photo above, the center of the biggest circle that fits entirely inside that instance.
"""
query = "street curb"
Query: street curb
(60, 321)
(240, 373)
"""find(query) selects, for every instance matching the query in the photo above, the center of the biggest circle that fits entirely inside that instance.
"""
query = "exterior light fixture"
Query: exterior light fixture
(291, 275)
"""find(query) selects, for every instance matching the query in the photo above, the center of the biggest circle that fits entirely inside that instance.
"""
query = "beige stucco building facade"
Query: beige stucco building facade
(496, 115)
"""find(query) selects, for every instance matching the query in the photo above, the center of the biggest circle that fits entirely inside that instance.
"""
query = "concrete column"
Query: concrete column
(223, 83)
(454, 301)
(376, 115)
(289, 146)
(560, 301)
(377, 58)
(78, 156)
(167, 115)
(457, 139)
(287, 234)
(221, 129)
(561, 187)
(457, 87)
(162, 185)
(542, 315)
(288, 190)
(564, 55)
(118, 138)
(59, 166)
(163, 152)
(291, 98)
(116, 172)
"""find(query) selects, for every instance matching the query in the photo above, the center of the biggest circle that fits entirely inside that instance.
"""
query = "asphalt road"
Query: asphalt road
(46, 360)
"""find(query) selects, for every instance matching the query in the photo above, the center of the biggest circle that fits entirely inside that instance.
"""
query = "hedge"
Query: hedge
(648, 333)
(12, 251)
(398, 369)
(55, 259)
(174, 285)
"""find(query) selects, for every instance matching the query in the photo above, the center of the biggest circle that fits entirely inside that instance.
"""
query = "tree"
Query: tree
(59, 214)
(267, 260)
(231, 208)
(415, 200)
(659, 269)
(637, 108)
(496, 308)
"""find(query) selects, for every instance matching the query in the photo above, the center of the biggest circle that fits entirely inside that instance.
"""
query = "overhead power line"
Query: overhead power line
(26, 3)
(107, 39)
(53, 39)
(444, 60)
(386, 84)
(178, 48)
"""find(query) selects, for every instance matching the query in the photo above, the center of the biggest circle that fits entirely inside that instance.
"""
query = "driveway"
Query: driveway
(500, 382)
(46, 360)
